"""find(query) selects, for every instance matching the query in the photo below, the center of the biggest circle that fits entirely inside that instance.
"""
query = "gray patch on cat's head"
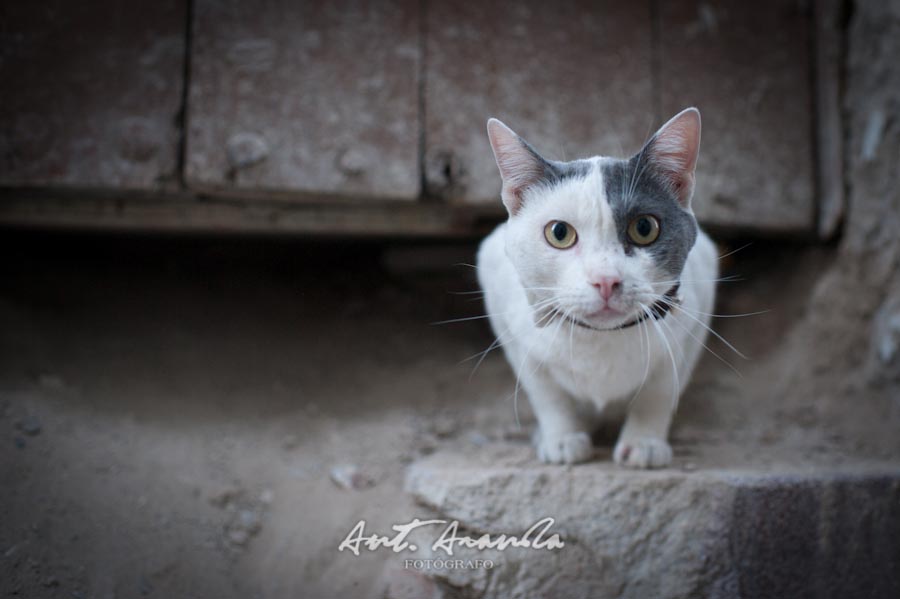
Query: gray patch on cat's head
(554, 172)
(570, 170)
(634, 189)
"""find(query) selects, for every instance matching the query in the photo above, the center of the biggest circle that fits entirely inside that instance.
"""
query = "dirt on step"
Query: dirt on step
(208, 418)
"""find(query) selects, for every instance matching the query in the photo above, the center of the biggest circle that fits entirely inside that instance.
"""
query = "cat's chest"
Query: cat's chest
(600, 365)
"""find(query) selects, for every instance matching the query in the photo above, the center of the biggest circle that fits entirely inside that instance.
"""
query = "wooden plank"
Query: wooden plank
(305, 96)
(746, 65)
(830, 133)
(573, 77)
(90, 92)
(184, 213)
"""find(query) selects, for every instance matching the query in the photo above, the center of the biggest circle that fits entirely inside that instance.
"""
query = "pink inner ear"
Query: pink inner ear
(676, 145)
(519, 168)
(675, 148)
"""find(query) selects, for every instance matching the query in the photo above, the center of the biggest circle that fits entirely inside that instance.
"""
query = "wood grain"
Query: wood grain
(746, 65)
(572, 77)
(90, 93)
(305, 96)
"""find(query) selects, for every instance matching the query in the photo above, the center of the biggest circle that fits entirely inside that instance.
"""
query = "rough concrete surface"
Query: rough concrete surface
(191, 418)
(700, 532)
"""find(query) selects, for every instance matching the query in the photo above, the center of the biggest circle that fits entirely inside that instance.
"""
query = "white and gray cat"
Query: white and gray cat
(599, 288)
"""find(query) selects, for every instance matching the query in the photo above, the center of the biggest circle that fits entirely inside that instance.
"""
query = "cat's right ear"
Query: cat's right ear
(520, 165)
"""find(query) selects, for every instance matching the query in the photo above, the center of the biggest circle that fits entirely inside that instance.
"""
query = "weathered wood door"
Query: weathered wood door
(305, 97)
(365, 105)
(91, 93)
(581, 78)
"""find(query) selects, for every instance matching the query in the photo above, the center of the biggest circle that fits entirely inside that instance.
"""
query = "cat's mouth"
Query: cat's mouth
(591, 327)
(617, 319)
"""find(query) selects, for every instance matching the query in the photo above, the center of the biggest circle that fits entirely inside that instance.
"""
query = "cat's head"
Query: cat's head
(600, 240)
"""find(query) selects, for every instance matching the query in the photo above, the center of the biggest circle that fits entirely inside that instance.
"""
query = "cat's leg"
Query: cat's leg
(642, 442)
(562, 437)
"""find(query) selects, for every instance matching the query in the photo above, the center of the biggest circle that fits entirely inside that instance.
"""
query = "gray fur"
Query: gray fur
(633, 189)
(568, 170)
(554, 171)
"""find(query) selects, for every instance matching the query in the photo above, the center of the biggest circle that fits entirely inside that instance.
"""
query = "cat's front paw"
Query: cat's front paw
(564, 448)
(644, 452)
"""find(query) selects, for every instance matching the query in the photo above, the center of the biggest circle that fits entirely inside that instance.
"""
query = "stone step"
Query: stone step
(772, 531)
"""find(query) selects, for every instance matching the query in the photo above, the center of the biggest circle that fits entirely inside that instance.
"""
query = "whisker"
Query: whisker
(571, 345)
(465, 319)
(494, 345)
(662, 334)
(726, 279)
(730, 315)
(636, 174)
(642, 329)
(718, 336)
(536, 306)
(667, 300)
(675, 339)
(519, 376)
(743, 247)
(694, 337)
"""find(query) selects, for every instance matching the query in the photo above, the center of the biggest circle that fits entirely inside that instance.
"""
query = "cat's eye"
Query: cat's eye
(644, 229)
(560, 235)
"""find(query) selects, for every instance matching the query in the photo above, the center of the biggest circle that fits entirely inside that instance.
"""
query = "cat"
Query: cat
(599, 287)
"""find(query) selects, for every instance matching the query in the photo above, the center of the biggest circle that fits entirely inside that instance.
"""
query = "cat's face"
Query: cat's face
(599, 241)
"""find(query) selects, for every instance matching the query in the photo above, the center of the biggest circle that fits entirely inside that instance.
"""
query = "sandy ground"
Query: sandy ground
(173, 410)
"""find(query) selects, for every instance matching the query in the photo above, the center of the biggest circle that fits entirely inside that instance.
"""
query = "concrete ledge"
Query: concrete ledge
(789, 532)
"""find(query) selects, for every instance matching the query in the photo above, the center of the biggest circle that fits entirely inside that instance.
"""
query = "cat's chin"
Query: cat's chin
(605, 313)
(606, 318)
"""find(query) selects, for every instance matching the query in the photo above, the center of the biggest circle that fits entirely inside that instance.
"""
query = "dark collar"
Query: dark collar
(657, 310)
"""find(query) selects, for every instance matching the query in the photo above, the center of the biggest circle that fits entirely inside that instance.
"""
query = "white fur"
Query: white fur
(571, 373)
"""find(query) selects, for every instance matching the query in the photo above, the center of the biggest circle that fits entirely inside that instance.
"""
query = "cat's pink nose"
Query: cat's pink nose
(607, 286)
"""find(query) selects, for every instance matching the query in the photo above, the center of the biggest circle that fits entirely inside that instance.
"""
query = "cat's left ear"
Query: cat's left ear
(520, 165)
(673, 152)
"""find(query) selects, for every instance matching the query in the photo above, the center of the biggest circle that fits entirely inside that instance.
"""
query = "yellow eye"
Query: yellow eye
(644, 229)
(560, 235)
